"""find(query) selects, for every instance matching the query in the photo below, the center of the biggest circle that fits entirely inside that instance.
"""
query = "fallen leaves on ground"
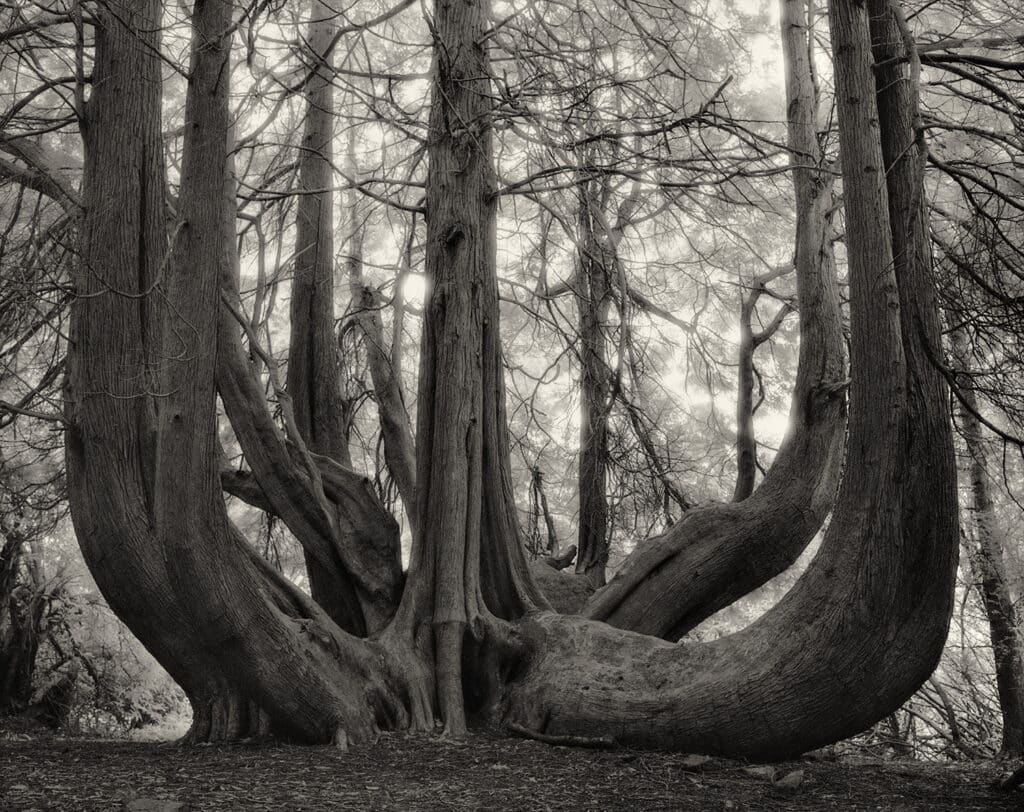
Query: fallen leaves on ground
(486, 772)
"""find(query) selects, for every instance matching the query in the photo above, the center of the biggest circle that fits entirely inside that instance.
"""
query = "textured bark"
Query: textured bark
(468, 570)
(988, 566)
(110, 384)
(865, 625)
(716, 554)
(143, 478)
(593, 298)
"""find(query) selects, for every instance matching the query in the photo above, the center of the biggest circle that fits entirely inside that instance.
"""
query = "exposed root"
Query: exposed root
(593, 743)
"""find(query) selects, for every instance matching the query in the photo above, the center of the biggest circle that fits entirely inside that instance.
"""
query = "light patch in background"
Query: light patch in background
(414, 289)
(771, 426)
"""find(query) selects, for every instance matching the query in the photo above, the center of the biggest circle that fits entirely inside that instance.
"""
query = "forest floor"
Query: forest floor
(487, 772)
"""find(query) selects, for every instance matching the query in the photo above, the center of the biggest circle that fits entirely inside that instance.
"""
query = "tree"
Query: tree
(469, 635)
(718, 553)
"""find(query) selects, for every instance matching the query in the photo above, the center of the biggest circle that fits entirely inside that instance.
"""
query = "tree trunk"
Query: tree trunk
(313, 380)
(746, 440)
(865, 625)
(115, 342)
(21, 608)
(468, 570)
(386, 376)
(248, 648)
(856, 636)
(716, 553)
(593, 292)
(989, 568)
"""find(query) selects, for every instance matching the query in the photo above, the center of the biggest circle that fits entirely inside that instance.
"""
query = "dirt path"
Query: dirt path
(485, 773)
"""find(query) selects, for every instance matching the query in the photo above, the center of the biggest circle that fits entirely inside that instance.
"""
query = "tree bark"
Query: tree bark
(468, 570)
(593, 297)
(395, 426)
(865, 625)
(716, 554)
(313, 379)
(143, 478)
(746, 439)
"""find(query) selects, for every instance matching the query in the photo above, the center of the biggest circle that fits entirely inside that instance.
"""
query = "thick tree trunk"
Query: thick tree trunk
(143, 479)
(717, 553)
(865, 625)
(114, 343)
(989, 568)
(593, 296)
(468, 571)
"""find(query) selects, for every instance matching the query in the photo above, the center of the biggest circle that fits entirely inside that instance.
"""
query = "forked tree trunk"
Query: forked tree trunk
(350, 541)
(856, 636)
(468, 572)
(716, 554)
(110, 386)
(143, 479)
(865, 625)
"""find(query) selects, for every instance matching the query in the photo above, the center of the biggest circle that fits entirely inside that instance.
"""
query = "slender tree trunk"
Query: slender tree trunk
(20, 614)
(989, 568)
(313, 380)
(593, 292)
(385, 365)
(716, 554)
(746, 439)
(863, 628)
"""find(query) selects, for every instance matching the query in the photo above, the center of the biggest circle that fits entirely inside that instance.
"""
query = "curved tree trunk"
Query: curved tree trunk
(110, 386)
(350, 541)
(143, 479)
(855, 637)
(865, 625)
(716, 554)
